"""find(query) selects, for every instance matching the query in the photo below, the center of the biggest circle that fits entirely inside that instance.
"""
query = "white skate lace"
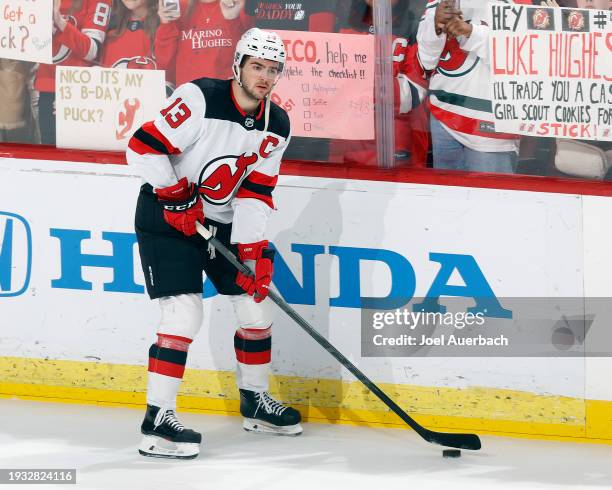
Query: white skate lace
(167, 416)
(269, 404)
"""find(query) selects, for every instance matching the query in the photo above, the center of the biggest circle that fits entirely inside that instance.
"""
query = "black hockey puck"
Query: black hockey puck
(451, 453)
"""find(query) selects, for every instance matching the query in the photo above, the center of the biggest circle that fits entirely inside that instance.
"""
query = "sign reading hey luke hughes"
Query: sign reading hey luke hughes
(552, 71)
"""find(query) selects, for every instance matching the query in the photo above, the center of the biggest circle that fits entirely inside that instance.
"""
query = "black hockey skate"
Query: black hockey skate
(262, 413)
(166, 437)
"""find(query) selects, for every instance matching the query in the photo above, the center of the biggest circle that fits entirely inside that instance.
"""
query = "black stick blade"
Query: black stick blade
(459, 441)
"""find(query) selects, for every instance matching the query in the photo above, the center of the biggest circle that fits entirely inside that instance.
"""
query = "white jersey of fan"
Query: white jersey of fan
(460, 88)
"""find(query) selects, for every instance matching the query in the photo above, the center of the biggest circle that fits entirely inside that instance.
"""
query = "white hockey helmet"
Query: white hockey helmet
(258, 43)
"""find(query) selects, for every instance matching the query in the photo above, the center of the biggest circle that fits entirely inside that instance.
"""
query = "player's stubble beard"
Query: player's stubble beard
(250, 93)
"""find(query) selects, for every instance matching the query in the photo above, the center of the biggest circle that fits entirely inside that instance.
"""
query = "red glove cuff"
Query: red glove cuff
(182, 206)
(263, 255)
(181, 191)
(252, 251)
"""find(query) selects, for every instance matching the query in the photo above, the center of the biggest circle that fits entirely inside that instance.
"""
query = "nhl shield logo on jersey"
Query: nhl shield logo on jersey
(220, 177)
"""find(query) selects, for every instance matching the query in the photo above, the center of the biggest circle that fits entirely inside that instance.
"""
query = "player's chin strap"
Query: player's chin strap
(268, 104)
(267, 108)
(267, 112)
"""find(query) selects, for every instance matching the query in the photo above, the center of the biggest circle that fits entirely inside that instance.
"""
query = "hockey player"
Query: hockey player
(213, 156)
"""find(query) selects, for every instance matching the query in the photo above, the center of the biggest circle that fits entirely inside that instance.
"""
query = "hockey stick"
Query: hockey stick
(462, 441)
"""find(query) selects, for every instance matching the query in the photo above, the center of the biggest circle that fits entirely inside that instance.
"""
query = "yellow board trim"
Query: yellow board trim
(482, 410)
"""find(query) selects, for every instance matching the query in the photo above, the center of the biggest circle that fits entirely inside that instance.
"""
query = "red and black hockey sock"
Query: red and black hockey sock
(168, 355)
(253, 346)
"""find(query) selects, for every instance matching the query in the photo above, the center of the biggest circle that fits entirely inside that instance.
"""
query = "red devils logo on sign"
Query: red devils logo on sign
(541, 19)
(221, 176)
(454, 62)
(575, 21)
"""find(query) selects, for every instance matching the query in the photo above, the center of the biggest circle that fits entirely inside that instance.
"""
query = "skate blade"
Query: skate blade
(254, 425)
(156, 447)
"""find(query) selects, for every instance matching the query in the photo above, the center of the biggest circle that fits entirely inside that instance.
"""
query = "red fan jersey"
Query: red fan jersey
(202, 45)
(412, 117)
(80, 42)
(132, 49)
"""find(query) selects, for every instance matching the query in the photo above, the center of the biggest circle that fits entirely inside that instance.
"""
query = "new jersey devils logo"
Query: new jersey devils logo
(220, 177)
(575, 21)
(124, 120)
(136, 63)
(454, 62)
(541, 19)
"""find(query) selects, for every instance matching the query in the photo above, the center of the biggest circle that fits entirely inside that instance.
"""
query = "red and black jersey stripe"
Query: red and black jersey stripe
(169, 362)
(253, 351)
(148, 139)
(258, 186)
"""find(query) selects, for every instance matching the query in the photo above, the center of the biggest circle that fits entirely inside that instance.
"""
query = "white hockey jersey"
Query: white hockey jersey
(204, 135)
(460, 85)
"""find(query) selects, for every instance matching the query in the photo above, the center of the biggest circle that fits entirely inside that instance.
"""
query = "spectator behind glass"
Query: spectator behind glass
(411, 130)
(462, 124)
(201, 42)
(129, 43)
(79, 29)
(16, 120)
(312, 16)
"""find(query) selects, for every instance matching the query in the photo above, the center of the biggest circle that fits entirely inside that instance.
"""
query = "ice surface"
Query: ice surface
(101, 442)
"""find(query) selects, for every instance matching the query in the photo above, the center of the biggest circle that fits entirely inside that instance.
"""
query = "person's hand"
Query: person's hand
(231, 8)
(445, 11)
(182, 206)
(263, 256)
(166, 15)
(58, 19)
(549, 3)
(458, 27)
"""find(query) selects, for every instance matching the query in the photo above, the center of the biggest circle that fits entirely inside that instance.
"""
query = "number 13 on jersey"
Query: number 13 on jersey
(176, 113)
